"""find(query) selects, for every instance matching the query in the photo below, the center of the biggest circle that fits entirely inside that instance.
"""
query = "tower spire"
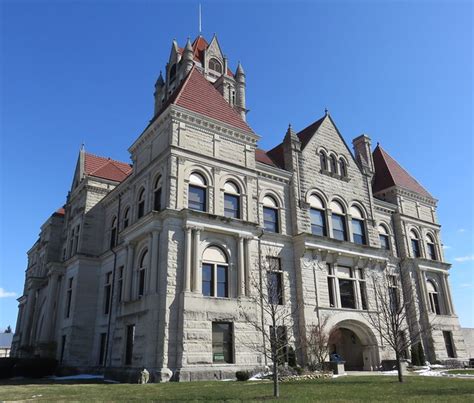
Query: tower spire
(200, 19)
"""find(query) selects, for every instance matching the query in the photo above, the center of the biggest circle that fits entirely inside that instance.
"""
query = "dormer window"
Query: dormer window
(323, 160)
(333, 162)
(342, 168)
(215, 65)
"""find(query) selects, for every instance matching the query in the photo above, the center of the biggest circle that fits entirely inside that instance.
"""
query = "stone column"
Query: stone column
(154, 262)
(241, 268)
(128, 280)
(187, 259)
(197, 275)
(447, 295)
(248, 266)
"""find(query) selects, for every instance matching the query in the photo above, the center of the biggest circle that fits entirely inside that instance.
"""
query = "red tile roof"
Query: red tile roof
(307, 133)
(106, 168)
(60, 211)
(388, 173)
(262, 156)
(199, 95)
(276, 154)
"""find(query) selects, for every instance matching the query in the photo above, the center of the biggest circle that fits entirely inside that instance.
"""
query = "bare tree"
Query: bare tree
(267, 311)
(389, 316)
(318, 341)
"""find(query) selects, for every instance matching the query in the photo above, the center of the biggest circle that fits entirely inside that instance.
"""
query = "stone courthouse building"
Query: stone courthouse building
(147, 264)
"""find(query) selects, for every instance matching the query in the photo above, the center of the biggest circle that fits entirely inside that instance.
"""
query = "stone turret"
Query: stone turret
(363, 153)
(240, 93)
(187, 60)
(159, 88)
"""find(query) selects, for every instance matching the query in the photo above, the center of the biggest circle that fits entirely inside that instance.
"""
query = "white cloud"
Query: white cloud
(446, 247)
(465, 285)
(6, 294)
(462, 259)
(461, 230)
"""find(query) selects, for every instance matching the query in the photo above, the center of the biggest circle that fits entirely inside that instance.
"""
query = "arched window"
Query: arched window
(215, 65)
(342, 167)
(333, 164)
(141, 204)
(173, 72)
(197, 192)
(215, 276)
(318, 216)
(433, 297)
(113, 233)
(323, 160)
(126, 218)
(384, 237)
(157, 194)
(270, 214)
(338, 219)
(231, 200)
(358, 226)
(430, 247)
(142, 266)
(415, 244)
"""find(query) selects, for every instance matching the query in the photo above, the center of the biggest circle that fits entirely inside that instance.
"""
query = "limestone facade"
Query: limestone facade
(115, 281)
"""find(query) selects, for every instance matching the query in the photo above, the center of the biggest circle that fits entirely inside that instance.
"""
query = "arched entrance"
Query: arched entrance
(356, 344)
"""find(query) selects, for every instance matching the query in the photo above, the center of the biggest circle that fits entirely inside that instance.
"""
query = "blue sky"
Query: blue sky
(84, 71)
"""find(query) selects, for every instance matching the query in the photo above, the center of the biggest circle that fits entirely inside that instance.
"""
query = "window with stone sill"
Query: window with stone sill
(358, 226)
(141, 204)
(274, 281)
(197, 192)
(384, 237)
(415, 244)
(430, 247)
(333, 164)
(433, 297)
(222, 342)
(338, 218)
(142, 267)
(317, 213)
(157, 194)
(215, 273)
(270, 214)
(231, 200)
(126, 218)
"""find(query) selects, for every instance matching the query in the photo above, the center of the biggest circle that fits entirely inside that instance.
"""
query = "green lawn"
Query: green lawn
(374, 388)
(461, 371)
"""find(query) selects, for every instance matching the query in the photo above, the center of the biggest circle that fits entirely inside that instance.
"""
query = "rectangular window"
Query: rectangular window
(141, 282)
(448, 341)
(318, 223)
(69, 297)
(141, 209)
(197, 198)
(157, 200)
(102, 346)
(339, 227)
(393, 293)
(431, 251)
(76, 239)
(130, 341)
(107, 292)
(332, 297)
(270, 219)
(222, 281)
(274, 281)
(363, 295)
(120, 283)
(207, 280)
(358, 231)
(222, 342)
(346, 290)
(415, 246)
(384, 242)
(231, 205)
(71, 243)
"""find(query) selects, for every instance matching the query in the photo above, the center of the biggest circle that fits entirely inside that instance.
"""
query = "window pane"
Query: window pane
(318, 224)
(384, 242)
(358, 231)
(274, 285)
(270, 219)
(339, 227)
(331, 291)
(363, 295)
(448, 341)
(197, 198)
(415, 247)
(346, 289)
(157, 201)
(231, 206)
(222, 281)
(431, 251)
(207, 287)
(222, 346)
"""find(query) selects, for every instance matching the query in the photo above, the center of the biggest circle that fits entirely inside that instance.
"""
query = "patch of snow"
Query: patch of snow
(393, 372)
(338, 375)
(76, 377)
(438, 366)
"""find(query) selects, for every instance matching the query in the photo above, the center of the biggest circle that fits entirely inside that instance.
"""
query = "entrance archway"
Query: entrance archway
(356, 344)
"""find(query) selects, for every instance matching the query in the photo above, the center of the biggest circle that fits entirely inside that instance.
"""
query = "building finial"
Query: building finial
(200, 20)
(326, 112)
(83, 146)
